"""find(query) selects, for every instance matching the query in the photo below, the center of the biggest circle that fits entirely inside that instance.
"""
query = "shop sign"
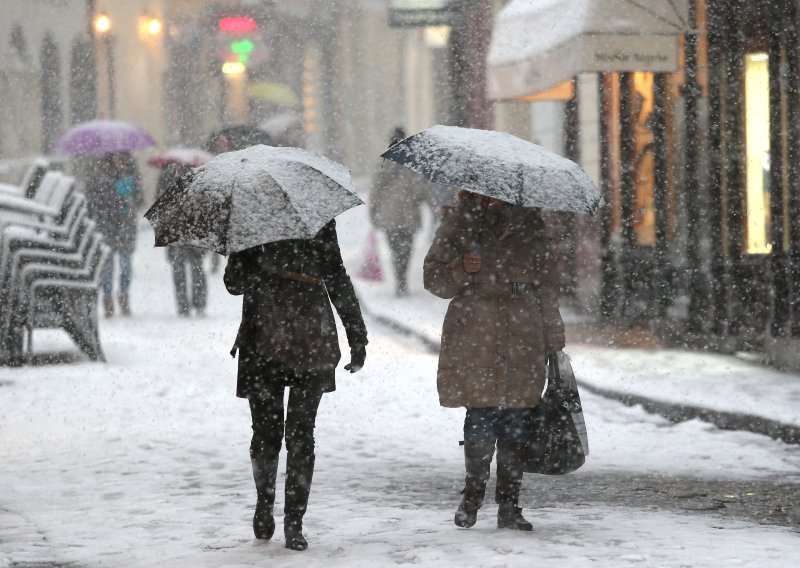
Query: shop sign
(424, 12)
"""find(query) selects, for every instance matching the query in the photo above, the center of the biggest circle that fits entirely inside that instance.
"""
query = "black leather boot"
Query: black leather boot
(299, 473)
(477, 461)
(509, 483)
(265, 472)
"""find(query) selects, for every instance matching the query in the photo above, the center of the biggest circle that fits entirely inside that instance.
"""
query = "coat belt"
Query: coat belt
(512, 289)
(308, 279)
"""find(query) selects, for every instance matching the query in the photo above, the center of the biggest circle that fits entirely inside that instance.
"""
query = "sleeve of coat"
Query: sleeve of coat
(239, 276)
(138, 194)
(234, 277)
(443, 270)
(550, 286)
(375, 197)
(340, 288)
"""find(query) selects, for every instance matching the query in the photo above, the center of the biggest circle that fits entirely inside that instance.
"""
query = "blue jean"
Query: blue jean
(125, 258)
(490, 425)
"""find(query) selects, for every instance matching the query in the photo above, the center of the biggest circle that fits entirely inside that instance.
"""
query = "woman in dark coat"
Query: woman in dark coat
(288, 338)
(496, 263)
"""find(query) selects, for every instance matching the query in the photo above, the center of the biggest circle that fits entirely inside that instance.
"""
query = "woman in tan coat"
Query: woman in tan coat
(496, 262)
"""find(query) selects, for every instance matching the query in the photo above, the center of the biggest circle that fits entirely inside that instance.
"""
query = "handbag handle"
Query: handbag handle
(552, 360)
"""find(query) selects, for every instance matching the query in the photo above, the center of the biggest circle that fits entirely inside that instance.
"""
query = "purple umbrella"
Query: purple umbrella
(102, 137)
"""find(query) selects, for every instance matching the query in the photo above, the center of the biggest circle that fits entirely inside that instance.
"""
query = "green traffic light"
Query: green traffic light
(242, 46)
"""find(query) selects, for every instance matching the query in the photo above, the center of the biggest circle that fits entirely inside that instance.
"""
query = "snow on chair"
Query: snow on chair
(51, 258)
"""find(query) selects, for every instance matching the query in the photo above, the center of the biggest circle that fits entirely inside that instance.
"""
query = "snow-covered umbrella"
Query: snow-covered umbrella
(499, 165)
(102, 137)
(191, 157)
(250, 197)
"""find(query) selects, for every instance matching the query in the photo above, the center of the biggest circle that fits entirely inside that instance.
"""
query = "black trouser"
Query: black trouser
(400, 243)
(506, 427)
(188, 295)
(266, 408)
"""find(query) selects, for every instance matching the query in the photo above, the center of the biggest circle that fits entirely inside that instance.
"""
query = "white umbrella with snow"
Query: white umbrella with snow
(250, 197)
(499, 165)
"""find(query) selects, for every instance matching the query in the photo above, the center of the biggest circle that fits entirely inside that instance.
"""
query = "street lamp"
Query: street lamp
(149, 26)
(102, 28)
(102, 24)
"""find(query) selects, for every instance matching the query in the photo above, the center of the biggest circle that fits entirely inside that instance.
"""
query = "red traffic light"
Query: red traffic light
(237, 25)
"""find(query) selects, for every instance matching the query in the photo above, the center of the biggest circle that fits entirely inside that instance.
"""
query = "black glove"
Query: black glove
(358, 353)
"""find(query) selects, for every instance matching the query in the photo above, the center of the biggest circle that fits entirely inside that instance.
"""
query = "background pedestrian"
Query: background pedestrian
(188, 275)
(114, 192)
(395, 201)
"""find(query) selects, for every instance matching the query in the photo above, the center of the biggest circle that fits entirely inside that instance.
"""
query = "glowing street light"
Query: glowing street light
(102, 24)
(153, 26)
(233, 68)
(149, 26)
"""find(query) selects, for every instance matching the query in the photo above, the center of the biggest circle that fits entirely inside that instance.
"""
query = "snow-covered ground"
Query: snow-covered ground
(143, 461)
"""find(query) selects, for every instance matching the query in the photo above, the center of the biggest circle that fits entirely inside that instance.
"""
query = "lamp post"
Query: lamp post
(102, 30)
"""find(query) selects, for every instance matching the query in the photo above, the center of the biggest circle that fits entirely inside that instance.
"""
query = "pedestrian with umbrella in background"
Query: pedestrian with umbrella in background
(493, 259)
(114, 193)
(188, 275)
(394, 206)
(271, 211)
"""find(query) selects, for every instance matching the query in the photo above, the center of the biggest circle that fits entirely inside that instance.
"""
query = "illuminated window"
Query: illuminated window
(644, 214)
(756, 91)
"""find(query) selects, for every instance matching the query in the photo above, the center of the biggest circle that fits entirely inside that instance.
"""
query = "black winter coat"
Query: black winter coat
(287, 334)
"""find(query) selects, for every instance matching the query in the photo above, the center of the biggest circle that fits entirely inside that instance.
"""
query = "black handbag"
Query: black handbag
(558, 443)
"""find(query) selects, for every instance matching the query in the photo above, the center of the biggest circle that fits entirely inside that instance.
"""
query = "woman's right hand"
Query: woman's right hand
(472, 262)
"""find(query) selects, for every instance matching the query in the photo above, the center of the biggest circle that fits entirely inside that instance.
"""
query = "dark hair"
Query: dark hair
(397, 134)
(464, 194)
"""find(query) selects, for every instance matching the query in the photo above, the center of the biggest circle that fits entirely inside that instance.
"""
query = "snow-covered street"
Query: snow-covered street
(143, 461)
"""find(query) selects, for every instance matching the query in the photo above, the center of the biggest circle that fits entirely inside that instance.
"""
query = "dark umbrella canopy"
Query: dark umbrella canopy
(250, 197)
(236, 137)
(499, 165)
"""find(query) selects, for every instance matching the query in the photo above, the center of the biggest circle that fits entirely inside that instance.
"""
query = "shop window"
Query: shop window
(757, 152)
(644, 215)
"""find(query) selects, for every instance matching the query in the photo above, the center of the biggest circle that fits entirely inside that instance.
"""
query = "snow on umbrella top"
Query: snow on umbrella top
(192, 157)
(102, 137)
(498, 165)
(250, 197)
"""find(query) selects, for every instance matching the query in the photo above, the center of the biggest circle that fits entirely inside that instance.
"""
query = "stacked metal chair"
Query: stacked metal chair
(51, 259)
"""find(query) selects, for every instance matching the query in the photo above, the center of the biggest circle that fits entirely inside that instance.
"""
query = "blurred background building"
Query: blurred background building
(685, 112)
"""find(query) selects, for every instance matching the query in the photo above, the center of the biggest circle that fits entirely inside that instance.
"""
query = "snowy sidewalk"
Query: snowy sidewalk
(143, 461)
(680, 385)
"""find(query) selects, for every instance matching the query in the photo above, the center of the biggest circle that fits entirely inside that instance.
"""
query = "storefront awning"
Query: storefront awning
(539, 44)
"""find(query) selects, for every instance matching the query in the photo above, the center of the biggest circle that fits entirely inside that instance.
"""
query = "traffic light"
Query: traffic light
(240, 43)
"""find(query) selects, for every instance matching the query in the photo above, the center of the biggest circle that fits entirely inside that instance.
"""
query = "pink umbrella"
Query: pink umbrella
(192, 157)
(103, 137)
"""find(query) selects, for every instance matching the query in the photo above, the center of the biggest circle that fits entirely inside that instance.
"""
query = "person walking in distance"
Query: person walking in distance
(188, 275)
(114, 196)
(394, 206)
